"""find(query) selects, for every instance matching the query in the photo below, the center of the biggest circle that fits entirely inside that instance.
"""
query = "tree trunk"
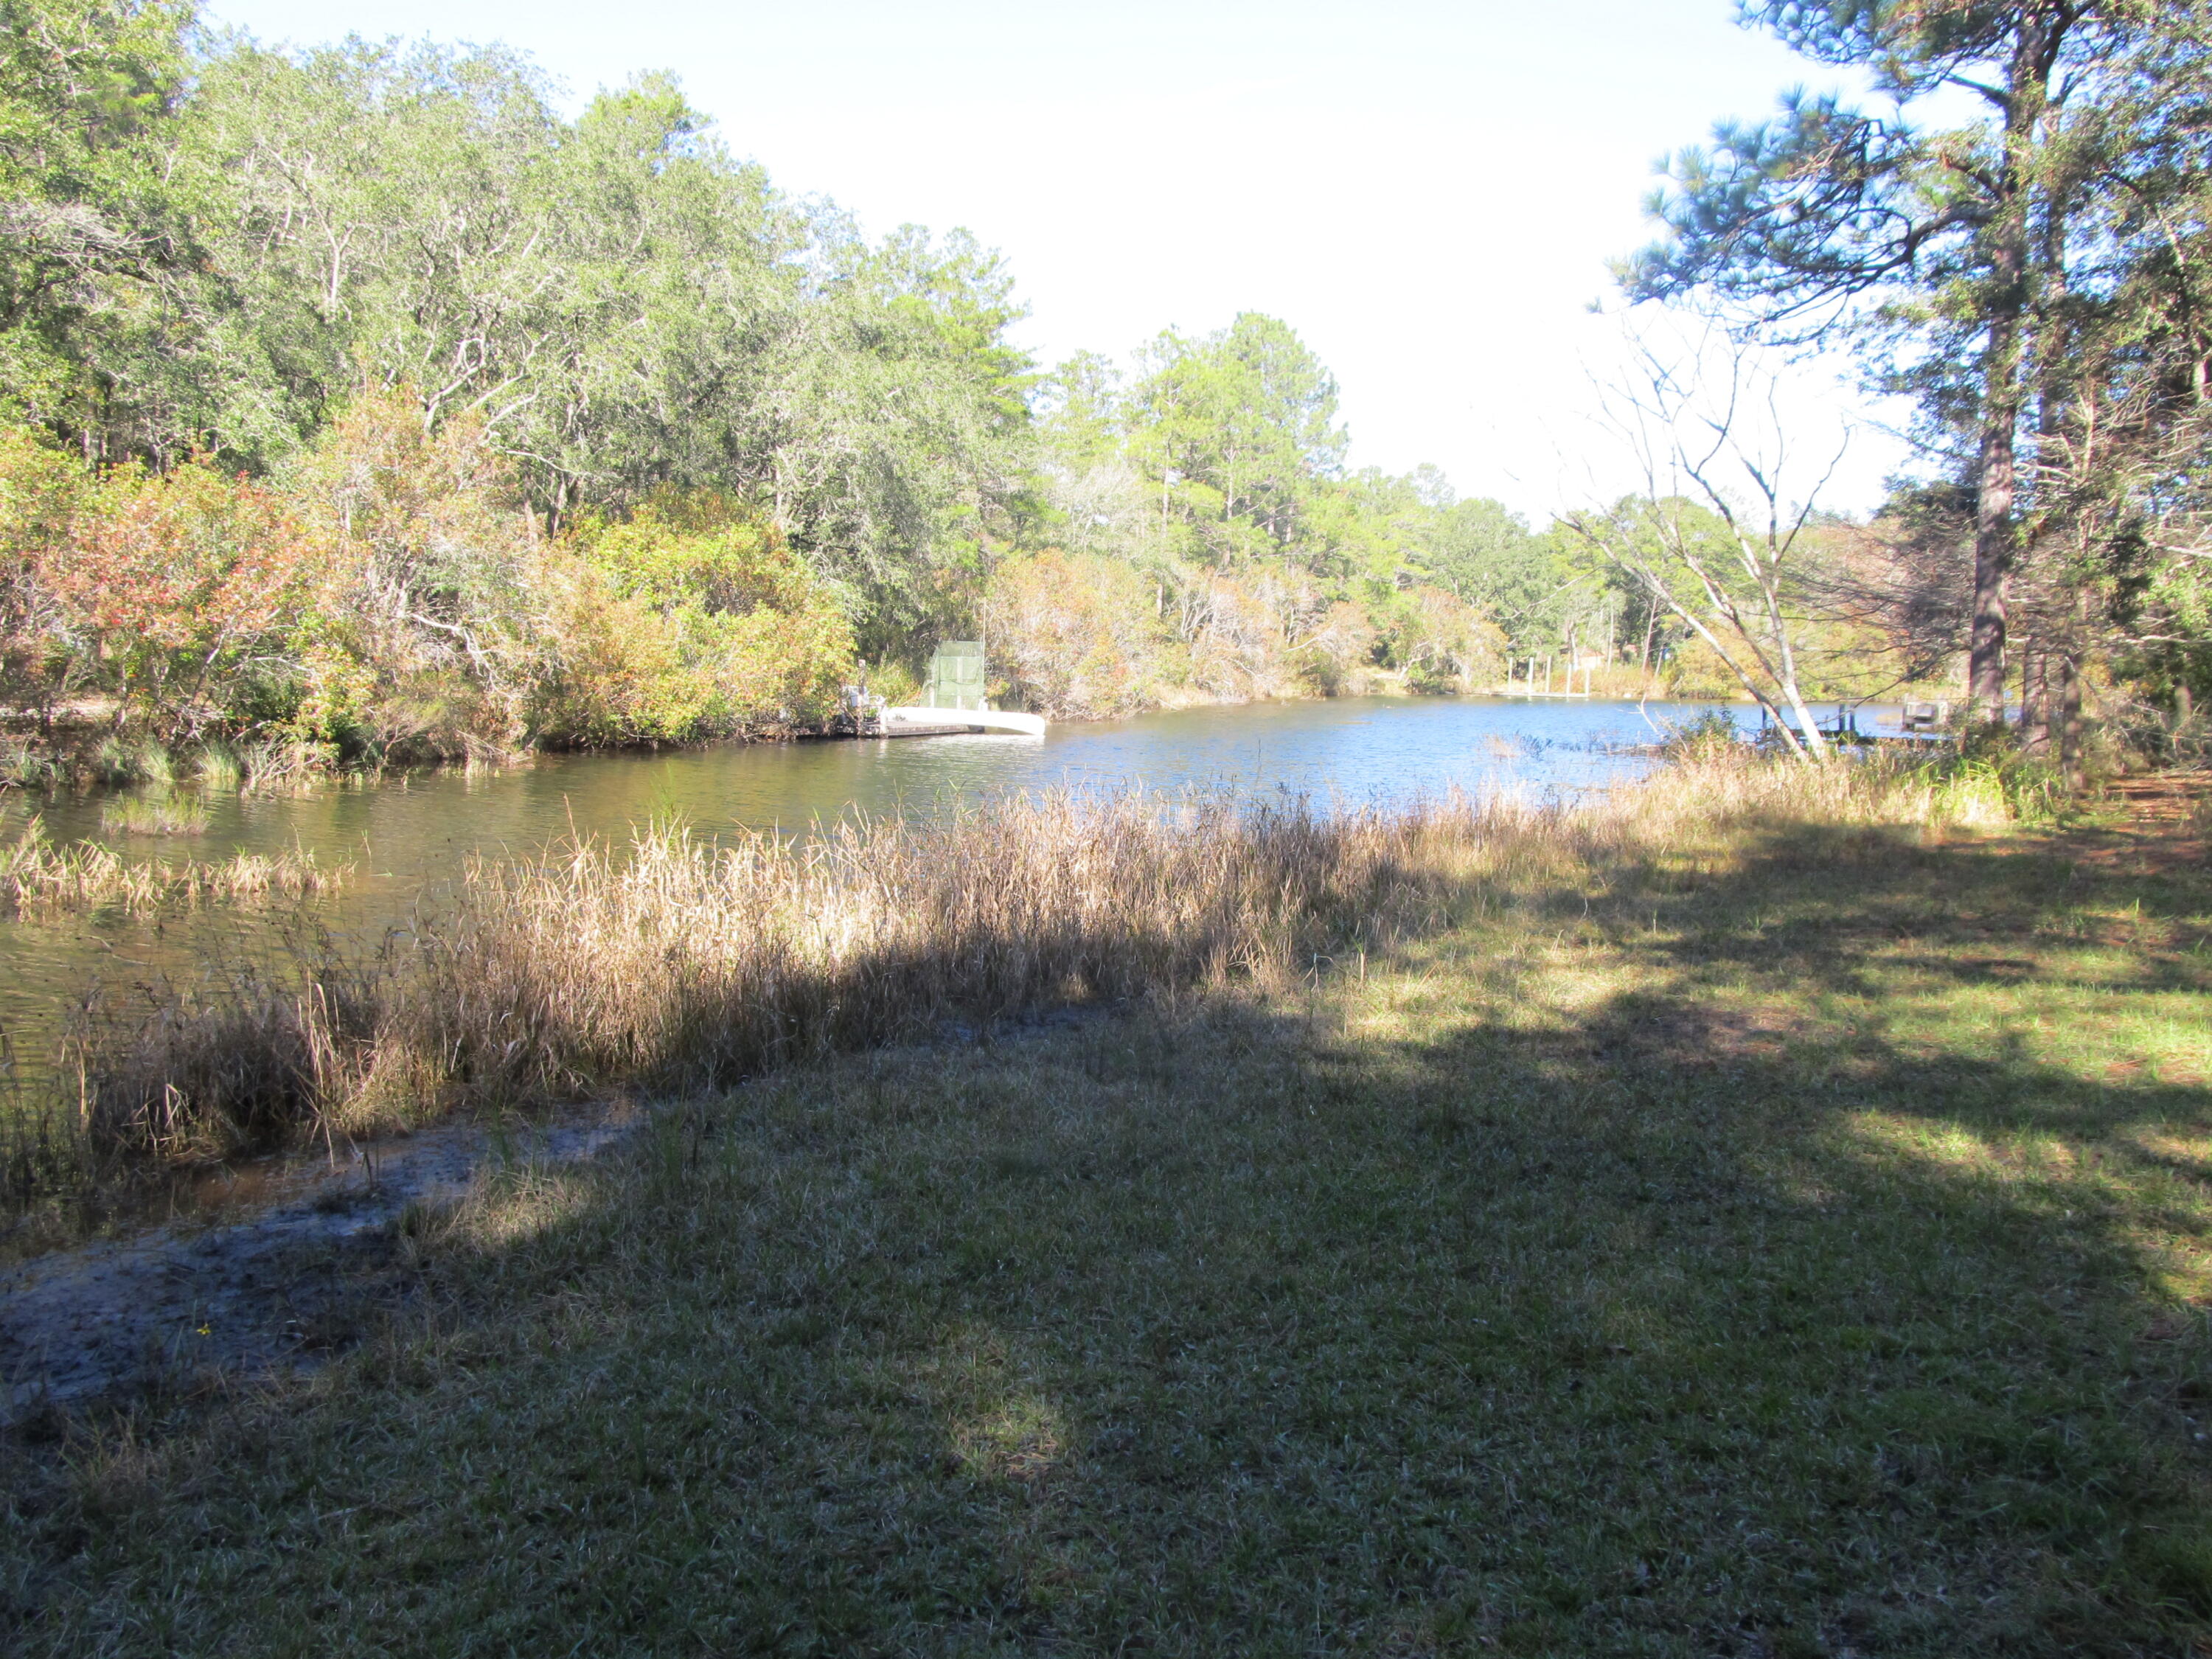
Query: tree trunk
(2067, 718)
(1993, 525)
(2028, 95)
(2034, 701)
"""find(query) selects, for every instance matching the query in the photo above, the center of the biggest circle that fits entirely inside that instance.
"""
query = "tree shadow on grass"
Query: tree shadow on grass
(1759, 1263)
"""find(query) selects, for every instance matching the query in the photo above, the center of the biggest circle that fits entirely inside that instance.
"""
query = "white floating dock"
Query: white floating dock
(989, 720)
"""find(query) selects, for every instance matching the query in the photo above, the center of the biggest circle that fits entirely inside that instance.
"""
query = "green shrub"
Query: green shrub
(690, 619)
(1695, 672)
(1711, 733)
(896, 682)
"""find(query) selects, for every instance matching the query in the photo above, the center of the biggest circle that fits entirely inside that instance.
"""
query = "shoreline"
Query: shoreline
(1532, 1261)
(71, 761)
(202, 1171)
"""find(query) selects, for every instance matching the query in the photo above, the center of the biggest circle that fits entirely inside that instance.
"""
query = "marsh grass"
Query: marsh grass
(676, 964)
(271, 768)
(1736, 1220)
(161, 813)
(260, 1047)
(218, 767)
(23, 767)
(127, 761)
(39, 877)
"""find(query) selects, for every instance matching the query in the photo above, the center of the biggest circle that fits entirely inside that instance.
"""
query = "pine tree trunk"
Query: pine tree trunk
(2067, 717)
(2027, 86)
(1993, 524)
(2034, 701)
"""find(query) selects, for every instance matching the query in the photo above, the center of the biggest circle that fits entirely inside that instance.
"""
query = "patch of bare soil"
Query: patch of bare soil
(274, 1283)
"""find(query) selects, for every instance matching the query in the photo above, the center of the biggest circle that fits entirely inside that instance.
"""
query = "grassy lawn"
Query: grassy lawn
(1789, 1241)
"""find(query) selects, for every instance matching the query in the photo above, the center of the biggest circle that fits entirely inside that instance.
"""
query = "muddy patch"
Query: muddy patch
(273, 1284)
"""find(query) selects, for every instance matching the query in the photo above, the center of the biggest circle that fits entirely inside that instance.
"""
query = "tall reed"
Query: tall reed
(676, 963)
(272, 767)
(241, 1059)
(1723, 783)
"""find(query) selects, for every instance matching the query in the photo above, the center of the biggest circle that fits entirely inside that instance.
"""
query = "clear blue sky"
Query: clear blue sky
(1427, 192)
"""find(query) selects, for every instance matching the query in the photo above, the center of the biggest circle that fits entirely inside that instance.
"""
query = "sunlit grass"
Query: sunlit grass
(218, 767)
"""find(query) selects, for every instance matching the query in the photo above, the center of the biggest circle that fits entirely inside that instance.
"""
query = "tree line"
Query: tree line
(409, 414)
(361, 400)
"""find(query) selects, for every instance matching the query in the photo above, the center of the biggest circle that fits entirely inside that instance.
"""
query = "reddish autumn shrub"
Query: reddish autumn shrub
(185, 586)
(41, 489)
(1074, 635)
(429, 639)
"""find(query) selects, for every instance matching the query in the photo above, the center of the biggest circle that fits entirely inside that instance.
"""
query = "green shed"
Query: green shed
(956, 675)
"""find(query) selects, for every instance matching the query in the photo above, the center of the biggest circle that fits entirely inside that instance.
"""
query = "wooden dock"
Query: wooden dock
(956, 706)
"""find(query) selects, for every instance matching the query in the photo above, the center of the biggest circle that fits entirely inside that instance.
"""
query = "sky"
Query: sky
(1428, 192)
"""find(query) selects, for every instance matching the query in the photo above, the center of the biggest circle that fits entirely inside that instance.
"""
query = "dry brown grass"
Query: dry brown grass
(245, 1061)
(676, 964)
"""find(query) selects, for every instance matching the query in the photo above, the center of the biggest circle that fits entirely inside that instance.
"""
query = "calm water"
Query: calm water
(406, 835)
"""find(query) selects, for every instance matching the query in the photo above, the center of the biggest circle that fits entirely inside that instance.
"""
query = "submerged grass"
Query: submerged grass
(1763, 1216)
(159, 814)
(39, 877)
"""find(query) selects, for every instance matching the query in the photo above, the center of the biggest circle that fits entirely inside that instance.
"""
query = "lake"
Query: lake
(406, 834)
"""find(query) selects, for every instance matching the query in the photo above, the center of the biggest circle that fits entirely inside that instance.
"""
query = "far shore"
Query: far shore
(83, 745)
